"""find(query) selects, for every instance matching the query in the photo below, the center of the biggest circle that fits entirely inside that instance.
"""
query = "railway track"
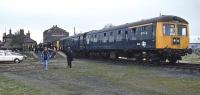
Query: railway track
(184, 66)
(191, 67)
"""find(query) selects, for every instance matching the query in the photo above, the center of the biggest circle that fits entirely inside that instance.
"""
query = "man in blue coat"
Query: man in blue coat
(45, 57)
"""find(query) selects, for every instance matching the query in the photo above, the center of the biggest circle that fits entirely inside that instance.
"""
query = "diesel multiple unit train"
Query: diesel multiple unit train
(164, 38)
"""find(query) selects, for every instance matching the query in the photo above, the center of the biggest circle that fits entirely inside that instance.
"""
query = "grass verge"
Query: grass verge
(11, 87)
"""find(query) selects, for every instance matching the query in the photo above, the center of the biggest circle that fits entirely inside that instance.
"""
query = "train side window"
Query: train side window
(1, 54)
(134, 31)
(88, 39)
(182, 30)
(119, 36)
(104, 38)
(126, 32)
(111, 37)
(119, 32)
(126, 35)
(104, 34)
(92, 38)
(100, 37)
(95, 38)
(144, 28)
(111, 33)
(138, 29)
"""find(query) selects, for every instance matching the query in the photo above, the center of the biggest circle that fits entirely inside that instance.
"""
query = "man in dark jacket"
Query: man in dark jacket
(69, 54)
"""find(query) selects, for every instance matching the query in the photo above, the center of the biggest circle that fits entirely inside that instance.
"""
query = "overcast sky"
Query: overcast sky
(86, 15)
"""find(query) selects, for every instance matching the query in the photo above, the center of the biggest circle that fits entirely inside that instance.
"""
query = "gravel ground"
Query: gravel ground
(96, 77)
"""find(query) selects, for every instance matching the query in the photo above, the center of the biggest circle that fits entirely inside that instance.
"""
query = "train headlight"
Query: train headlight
(174, 40)
(178, 41)
(144, 43)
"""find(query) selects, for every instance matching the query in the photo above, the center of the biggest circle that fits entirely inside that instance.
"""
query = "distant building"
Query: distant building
(27, 41)
(7, 39)
(194, 39)
(195, 45)
(54, 34)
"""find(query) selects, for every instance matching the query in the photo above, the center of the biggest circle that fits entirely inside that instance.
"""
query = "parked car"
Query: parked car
(8, 56)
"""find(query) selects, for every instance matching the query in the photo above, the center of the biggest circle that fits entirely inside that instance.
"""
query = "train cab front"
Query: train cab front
(173, 37)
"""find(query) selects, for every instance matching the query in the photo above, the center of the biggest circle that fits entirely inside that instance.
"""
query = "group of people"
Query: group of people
(46, 56)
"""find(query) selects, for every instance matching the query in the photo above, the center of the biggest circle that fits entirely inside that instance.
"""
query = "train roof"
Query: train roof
(80, 34)
(163, 18)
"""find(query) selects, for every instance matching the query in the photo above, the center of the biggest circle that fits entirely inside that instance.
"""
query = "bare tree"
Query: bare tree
(17, 40)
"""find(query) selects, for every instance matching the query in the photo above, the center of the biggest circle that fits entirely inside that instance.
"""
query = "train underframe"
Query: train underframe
(153, 55)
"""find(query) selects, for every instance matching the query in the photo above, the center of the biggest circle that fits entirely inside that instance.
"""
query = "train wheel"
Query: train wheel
(107, 55)
(113, 55)
(155, 59)
(139, 59)
(173, 60)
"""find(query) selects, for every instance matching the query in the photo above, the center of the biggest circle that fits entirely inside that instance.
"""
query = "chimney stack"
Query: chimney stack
(10, 31)
(4, 34)
(28, 34)
(21, 31)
